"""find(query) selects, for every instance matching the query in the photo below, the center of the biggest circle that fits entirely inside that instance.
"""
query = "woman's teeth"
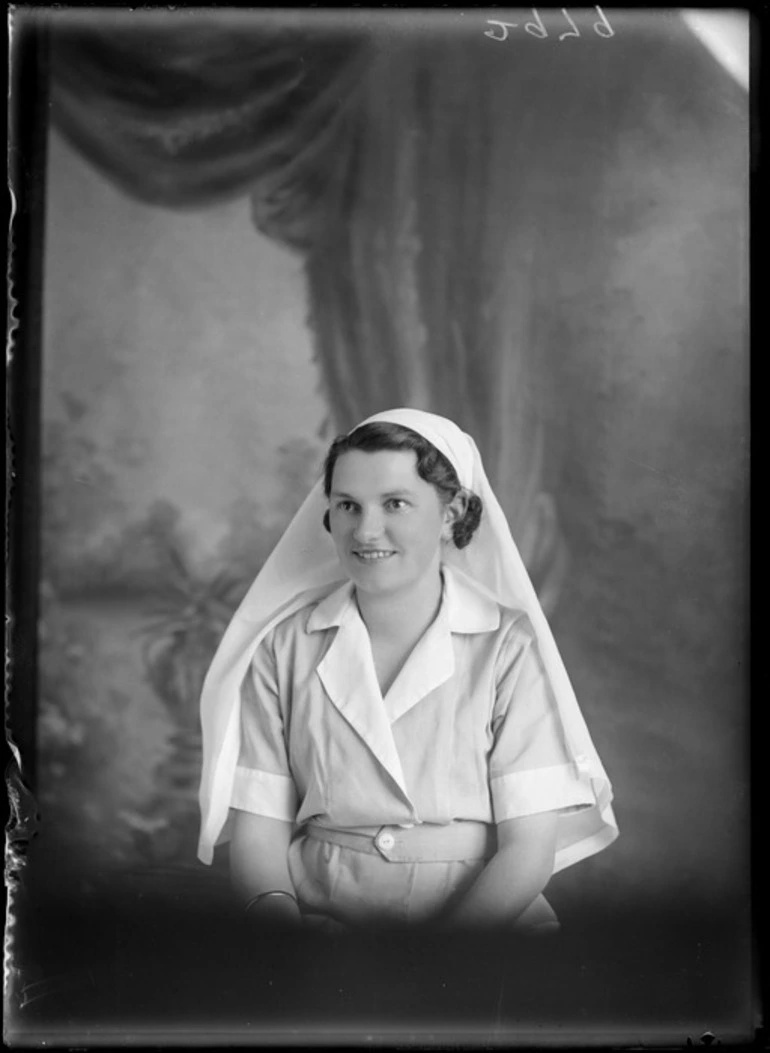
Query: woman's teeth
(373, 555)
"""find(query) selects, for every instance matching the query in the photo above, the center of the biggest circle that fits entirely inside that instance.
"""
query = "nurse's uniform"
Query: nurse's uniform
(467, 734)
(396, 798)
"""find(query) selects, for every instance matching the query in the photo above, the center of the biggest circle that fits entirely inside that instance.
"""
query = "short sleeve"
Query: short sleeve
(263, 782)
(530, 768)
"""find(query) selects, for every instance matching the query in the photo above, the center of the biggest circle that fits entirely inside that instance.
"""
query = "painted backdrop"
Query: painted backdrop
(184, 420)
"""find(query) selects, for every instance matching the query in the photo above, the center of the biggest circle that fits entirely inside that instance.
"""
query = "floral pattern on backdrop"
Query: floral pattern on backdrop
(129, 624)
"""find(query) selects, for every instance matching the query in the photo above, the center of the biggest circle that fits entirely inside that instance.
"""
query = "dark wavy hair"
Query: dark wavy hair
(432, 466)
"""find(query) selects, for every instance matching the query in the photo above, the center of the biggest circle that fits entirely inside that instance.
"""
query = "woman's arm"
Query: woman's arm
(516, 874)
(259, 863)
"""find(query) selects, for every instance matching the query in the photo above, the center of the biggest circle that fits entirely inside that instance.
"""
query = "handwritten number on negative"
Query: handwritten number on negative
(505, 26)
(575, 31)
(603, 28)
(536, 28)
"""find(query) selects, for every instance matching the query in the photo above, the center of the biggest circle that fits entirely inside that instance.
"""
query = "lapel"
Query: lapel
(349, 679)
(432, 662)
(347, 669)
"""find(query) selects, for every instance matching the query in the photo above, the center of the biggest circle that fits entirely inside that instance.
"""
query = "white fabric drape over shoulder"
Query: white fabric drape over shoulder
(304, 567)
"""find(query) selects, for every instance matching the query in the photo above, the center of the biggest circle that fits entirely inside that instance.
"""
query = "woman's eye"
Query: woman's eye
(396, 504)
(345, 506)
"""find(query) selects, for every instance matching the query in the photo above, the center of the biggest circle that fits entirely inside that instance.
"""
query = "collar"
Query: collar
(467, 607)
(347, 668)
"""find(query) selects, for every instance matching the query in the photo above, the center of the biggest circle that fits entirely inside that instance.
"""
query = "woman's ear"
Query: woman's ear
(453, 513)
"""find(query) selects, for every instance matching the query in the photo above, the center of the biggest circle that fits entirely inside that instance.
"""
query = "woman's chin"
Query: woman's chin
(377, 577)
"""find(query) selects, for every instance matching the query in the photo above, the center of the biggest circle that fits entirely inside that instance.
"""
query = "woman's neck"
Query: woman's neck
(404, 616)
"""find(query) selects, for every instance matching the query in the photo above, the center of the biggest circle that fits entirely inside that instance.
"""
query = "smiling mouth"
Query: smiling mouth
(373, 555)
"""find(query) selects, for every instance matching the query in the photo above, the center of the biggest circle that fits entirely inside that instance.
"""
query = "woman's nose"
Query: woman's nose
(369, 525)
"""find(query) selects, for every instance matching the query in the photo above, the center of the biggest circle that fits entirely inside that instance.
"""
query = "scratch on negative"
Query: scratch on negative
(658, 471)
(498, 1013)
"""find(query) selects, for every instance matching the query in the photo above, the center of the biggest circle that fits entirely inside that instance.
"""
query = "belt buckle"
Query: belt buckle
(384, 842)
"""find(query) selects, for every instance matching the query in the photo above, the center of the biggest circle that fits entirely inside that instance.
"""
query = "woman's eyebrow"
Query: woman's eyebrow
(385, 496)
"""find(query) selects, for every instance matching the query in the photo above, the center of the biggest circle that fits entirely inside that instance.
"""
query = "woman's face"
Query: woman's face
(386, 522)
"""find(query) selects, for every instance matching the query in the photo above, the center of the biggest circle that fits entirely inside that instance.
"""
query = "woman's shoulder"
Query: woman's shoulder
(514, 636)
(516, 621)
(474, 605)
(316, 611)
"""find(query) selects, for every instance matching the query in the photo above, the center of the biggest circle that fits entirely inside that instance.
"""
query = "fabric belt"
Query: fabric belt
(424, 843)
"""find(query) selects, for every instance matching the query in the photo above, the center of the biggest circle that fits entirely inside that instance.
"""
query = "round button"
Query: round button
(386, 841)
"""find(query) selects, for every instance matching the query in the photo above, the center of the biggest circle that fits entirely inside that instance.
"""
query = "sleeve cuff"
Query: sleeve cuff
(264, 793)
(562, 786)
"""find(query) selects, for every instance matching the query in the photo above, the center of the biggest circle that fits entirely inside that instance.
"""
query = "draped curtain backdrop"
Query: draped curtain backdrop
(545, 240)
(418, 172)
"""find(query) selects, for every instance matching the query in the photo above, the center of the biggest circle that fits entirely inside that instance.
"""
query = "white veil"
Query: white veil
(303, 566)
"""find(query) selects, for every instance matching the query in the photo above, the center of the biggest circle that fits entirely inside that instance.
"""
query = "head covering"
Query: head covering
(303, 567)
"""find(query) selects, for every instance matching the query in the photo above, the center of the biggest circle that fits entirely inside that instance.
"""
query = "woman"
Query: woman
(389, 732)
